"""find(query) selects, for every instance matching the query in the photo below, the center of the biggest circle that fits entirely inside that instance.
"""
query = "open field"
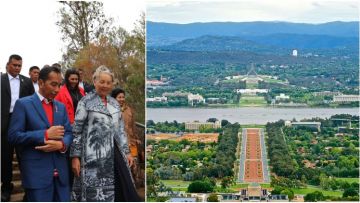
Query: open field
(201, 137)
(252, 101)
(176, 183)
(160, 136)
(311, 189)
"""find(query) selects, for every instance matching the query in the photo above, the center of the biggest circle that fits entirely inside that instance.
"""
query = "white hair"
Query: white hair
(102, 69)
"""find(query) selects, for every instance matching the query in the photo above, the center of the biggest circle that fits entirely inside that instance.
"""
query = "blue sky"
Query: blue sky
(305, 11)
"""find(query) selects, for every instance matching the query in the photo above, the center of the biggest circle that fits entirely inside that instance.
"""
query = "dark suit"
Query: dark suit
(27, 130)
(26, 89)
(87, 87)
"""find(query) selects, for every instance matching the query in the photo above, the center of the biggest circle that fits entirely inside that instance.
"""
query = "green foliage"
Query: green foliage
(314, 197)
(279, 154)
(169, 127)
(80, 23)
(227, 181)
(213, 198)
(199, 186)
(351, 192)
(289, 193)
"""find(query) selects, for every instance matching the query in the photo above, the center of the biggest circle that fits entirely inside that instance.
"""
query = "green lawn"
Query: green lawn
(251, 85)
(236, 80)
(176, 183)
(349, 180)
(311, 189)
(239, 185)
(252, 101)
(271, 80)
(265, 185)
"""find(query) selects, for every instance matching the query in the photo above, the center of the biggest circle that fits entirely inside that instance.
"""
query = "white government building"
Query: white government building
(196, 125)
(346, 98)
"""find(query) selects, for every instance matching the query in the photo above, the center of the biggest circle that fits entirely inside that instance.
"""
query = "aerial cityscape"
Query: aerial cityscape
(253, 110)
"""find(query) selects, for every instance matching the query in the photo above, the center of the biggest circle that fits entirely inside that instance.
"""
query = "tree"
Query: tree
(224, 123)
(212, 120)
(81, 22)
(150, 123)
(212, 198)
(226, 182)
(324, 181)
(289, 193)
(200, 187)
(349, 192)
(118, 52)
(152, 182)
(314, 197)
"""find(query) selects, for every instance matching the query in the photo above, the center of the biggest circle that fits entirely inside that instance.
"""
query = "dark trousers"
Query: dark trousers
(71, 174)
(7, 153)
(53, 193)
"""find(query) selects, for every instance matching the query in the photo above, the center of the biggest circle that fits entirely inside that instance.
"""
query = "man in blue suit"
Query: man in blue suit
(40, 128)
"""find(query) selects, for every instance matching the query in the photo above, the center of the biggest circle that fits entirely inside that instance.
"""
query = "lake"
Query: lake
(244, 115)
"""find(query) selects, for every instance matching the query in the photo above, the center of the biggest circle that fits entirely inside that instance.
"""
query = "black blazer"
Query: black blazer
(87, 87)
(26, 89)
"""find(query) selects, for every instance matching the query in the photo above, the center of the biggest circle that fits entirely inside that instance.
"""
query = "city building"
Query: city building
(282, 97)
(326, 93)
(155, 83)
(315, 125)
(346, 98)
(251, 91)
(196, 125)
(195, 99)
(156, 99)
(234, 77)
(182, 199)
(175, 94)
(295, 53)
(252, 77)
(254, 192)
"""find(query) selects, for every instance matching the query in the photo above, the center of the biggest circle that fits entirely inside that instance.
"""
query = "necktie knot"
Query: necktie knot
(47, 101)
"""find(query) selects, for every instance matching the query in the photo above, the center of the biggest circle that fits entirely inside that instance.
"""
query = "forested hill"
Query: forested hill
(159, 34)
(275, 43)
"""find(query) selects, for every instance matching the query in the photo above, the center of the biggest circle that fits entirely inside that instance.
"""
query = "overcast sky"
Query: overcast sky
(28, 29)
(308, 11)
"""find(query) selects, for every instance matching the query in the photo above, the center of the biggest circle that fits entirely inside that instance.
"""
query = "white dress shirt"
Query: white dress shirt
(14, 89)
(81, 84)
(36, 86)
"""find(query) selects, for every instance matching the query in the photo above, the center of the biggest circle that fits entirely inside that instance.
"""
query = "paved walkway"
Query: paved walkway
(253, 157)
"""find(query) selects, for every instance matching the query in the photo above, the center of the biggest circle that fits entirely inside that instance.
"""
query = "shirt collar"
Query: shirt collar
(42, 98)
(11, 77)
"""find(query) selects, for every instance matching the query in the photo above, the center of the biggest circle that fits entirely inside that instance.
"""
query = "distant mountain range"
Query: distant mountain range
(269, 44)
(281, 34)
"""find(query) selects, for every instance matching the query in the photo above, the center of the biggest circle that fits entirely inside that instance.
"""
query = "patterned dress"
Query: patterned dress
(98, 131)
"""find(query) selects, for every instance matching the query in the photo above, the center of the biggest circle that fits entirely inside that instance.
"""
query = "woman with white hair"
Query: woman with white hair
(100, 154)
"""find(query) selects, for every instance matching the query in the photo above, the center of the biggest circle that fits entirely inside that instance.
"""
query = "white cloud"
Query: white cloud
(310, 11)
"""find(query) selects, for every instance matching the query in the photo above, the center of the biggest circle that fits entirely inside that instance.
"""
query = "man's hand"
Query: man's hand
(75, 166)
(56, 132)
(50, 146)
